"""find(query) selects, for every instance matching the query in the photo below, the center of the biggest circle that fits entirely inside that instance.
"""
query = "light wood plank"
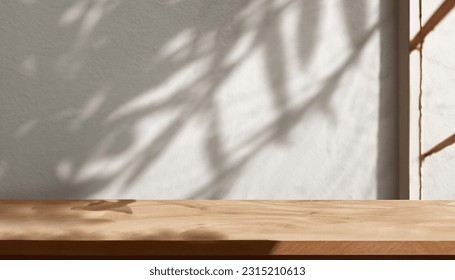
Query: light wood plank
(198, 229)
(228, 220)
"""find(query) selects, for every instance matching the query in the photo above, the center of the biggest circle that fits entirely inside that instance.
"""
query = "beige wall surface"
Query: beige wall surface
(206, 99)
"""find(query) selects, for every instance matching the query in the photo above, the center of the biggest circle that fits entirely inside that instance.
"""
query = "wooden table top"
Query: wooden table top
(208, 228)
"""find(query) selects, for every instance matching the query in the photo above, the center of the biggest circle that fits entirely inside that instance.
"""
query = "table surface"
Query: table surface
(152, 228)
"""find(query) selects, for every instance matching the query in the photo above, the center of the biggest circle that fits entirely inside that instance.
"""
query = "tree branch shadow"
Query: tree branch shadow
(98, 72)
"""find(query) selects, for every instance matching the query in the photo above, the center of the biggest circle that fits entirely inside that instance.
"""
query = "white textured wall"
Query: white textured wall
(178, 99)
(438, 170)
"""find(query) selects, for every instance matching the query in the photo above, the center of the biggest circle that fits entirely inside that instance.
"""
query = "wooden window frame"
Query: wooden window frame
(257, 229)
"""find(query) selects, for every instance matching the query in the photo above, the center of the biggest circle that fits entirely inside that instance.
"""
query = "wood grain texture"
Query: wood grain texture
(201, 249)
(228, 220)
(144, 228)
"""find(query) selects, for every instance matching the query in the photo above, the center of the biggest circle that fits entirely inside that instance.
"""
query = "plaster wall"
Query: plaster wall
(438, 114)
(198, 99)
